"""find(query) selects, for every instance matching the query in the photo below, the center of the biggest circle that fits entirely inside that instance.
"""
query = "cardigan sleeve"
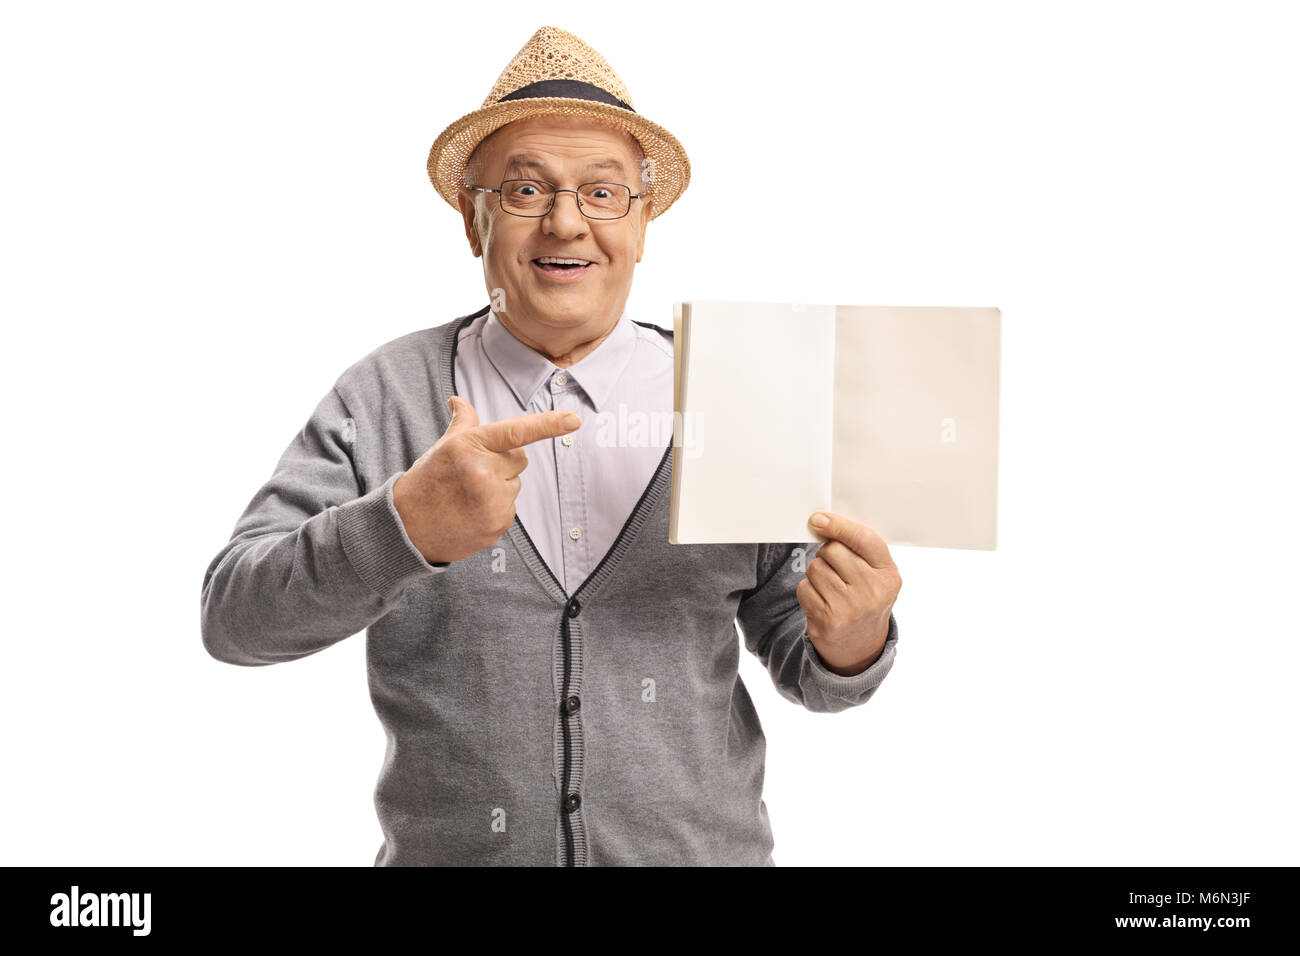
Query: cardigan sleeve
(774, 628)
(313, 559)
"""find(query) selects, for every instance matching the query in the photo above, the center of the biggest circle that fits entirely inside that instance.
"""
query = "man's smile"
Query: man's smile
(562, 268)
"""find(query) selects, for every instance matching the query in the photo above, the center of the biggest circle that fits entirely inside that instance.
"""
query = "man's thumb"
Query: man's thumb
(462, 414)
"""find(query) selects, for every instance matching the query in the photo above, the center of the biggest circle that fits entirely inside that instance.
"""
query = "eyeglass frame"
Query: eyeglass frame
(555, 191)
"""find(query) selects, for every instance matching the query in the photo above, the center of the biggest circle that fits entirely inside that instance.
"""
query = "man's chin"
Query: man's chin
(562, 291)
(562, 306)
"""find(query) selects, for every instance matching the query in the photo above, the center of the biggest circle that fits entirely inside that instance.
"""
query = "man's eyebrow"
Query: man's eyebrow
(524, 162)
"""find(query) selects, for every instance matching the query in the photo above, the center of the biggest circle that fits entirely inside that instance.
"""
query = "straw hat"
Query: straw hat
(557, 73)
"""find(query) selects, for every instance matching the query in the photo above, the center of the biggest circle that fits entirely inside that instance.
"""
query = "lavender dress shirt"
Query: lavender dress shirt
(578, 490)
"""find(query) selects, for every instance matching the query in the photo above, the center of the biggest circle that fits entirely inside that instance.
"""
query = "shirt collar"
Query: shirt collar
(525, 370)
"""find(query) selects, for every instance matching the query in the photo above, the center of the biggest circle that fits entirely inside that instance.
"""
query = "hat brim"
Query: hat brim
(668, 170)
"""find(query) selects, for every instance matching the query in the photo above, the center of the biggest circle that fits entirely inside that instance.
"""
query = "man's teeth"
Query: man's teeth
(556, 261)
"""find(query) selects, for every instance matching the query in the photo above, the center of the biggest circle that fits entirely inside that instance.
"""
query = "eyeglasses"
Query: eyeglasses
(534, 198)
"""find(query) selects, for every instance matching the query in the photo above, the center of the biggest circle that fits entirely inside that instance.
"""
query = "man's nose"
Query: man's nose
(565, 217)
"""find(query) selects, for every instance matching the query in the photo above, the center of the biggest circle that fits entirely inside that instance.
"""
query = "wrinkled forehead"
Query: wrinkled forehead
(521, 147)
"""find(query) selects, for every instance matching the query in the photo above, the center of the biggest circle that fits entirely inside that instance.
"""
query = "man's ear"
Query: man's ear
(468, 209)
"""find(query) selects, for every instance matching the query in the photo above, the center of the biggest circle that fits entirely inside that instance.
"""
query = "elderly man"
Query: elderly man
(559, 685)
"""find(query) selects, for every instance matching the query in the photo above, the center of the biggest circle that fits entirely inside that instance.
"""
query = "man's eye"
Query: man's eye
(596, 193)
(520, 190)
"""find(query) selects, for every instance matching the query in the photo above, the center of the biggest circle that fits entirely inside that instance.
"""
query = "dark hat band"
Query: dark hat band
(573, 89)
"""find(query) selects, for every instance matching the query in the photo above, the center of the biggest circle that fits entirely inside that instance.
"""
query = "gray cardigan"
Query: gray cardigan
(525, 725)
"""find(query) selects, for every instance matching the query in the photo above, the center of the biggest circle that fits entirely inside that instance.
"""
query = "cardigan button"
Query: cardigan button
(572, 802)
(571, 704)
(573, 608)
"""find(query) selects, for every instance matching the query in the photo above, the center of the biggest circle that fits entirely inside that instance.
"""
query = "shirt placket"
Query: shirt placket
(566, 397)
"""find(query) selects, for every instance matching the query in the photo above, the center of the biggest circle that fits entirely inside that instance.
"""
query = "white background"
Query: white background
(210, 210)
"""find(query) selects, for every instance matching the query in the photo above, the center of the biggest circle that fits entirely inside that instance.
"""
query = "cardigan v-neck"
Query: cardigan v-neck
(577, 491)
(523, 541)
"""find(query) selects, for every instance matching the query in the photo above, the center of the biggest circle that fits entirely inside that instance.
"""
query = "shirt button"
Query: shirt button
(572, 802)
(571, 704)
(575, 533)
(573, 608)
(561, 379)
(567, 439)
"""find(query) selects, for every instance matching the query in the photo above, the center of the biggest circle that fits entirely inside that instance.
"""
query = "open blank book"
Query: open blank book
(884, 414)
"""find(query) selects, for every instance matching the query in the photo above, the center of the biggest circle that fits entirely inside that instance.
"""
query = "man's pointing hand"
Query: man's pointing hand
(459, 496)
